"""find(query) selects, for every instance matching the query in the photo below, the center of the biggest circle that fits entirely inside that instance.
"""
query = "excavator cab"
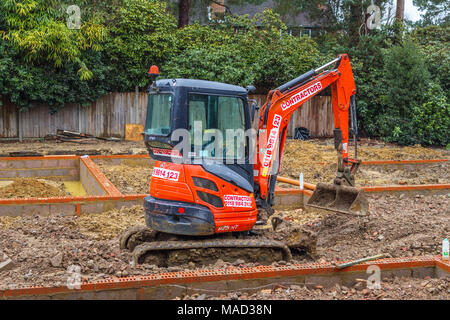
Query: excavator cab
(191, 119)
(202, 182)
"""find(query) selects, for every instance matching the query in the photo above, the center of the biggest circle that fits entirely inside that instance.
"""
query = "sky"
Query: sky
(411, 11)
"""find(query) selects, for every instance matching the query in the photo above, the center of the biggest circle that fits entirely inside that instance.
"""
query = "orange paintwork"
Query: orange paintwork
(226, 218)
(283, 105)
(97, 173)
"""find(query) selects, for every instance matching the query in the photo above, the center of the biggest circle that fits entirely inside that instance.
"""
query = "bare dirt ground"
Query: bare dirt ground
(42, 248)
(317, 160)
(53, 147)
(133, 177)
(32, 187)
(391, 289)
(297, 153)
(436, 173)
(130, 176)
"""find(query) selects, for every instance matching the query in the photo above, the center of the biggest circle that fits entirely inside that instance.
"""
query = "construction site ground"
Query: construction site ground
(399, 225)
(395, 288)
(131, 176)
(42, 248)
(316, 159)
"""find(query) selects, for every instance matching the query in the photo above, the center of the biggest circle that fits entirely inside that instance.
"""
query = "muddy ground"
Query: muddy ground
(54, 147)
(131, 176)
(434, 173)
(317, 159)
(394, 288)
(42, 248)
(302, 152)
(32, 187)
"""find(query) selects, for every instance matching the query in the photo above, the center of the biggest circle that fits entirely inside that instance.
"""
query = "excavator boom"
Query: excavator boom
(273, 122)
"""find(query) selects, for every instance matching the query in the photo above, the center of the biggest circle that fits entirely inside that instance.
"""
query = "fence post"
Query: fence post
(136, 104)
(19, 127)
(79, 118)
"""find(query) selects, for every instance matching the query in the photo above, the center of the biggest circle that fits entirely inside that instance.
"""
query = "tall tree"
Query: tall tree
(183, 12)
(435, 11)
(355, 20)
(400, 10)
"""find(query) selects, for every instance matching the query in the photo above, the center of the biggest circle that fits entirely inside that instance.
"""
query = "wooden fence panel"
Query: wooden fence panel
(8, 120)
(316, 115)
(108, 115)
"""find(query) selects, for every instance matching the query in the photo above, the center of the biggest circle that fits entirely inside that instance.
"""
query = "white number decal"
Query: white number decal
(166, 174)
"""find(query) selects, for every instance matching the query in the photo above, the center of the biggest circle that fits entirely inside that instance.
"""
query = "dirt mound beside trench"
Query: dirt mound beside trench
(32, 187)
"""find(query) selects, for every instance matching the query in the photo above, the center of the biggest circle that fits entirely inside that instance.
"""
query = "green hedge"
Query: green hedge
(402, 78)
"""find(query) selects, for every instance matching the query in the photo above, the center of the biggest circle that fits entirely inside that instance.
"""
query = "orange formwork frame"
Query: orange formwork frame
(159, 286)
(111, 192)
(114, 195)
(416, 187)
(141, 286)
(310, 187)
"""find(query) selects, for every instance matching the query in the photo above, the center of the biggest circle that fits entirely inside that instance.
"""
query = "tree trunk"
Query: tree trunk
(183, 13)
(400, 11)
(355, 21)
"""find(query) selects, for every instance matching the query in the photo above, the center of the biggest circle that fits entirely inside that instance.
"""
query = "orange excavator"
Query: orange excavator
(214, 177)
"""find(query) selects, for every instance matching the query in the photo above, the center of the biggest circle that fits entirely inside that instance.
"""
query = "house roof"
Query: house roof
(200, 13)
(290, 19)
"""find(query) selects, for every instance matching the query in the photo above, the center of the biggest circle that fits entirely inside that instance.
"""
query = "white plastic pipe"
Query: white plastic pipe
(301, 181)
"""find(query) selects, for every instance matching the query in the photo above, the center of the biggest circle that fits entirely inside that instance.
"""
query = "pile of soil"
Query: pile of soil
(300, 216)
(130, 176)
(32, 187)
(395, 288)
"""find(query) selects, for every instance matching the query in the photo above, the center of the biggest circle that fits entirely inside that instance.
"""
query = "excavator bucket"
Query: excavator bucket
(339, 198)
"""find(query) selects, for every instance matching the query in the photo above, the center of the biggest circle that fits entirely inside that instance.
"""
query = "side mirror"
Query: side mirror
(250, 89)
(254, 108)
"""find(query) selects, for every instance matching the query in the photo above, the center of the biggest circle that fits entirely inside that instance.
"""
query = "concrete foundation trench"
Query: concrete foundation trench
(79, 187)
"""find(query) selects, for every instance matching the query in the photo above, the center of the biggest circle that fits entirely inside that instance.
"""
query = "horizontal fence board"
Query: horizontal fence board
(108, 115)
(316, 115)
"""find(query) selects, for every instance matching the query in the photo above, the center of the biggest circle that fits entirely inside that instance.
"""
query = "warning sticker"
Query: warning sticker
(302, 95)
(166, 153)
(271, 143)
(166, 174)
(238, 201)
